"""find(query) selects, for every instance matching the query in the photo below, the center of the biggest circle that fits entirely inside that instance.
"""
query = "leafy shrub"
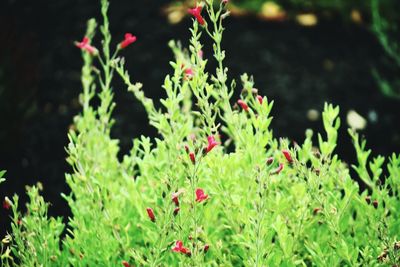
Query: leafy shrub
(196, 197)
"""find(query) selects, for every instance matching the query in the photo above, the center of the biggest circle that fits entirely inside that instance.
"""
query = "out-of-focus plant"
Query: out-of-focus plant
(387, 34)
(182, 200)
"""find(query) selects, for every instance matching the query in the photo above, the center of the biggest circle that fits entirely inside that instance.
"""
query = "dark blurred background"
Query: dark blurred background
(300, 53)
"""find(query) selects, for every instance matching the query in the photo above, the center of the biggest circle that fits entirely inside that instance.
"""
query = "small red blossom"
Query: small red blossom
(85, 45)
(176, 211)
(151, 215)
(243, 105)
(196, 12)
(287, 155)
(126, 264)
(200, 196)
(375, 203)
(129, 39)
(188, 74)
(206, 247)
(270, 160)
(187, 148)
(179, 248)
(175, 197)
(260, 99)
(211, 143)
(225, 2)
(192, 157)
(201, 53)
(278, 170)
(6, 203)
(368, 199)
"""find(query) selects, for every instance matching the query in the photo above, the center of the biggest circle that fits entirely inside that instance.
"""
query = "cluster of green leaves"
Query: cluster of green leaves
(310, 213)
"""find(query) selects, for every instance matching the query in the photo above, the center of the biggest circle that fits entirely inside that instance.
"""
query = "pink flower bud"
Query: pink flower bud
(188, 74)
(192, 157)
(176, 211)
(206, 247)
(126, 264)
(6, 203)
(151, 215)
(243, 105)
(278, 170)
(287, 155)
(260, 99)
(175, 197)
(85, 45)
(187, 148)
(129, 39)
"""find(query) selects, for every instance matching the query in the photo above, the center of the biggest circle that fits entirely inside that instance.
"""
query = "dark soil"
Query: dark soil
(299, 68)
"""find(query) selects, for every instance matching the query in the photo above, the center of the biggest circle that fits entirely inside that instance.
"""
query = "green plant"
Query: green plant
(385, 32)
(183, 200)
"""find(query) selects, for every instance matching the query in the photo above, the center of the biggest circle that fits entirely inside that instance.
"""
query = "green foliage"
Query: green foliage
(386, 31)
(266, 203)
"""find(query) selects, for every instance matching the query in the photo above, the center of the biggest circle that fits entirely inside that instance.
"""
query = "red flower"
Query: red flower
(260, 99)
(126, 264)
(196, 12)
(201, 53)
(179, 248)
(176, 210)
(192, 157)
(85, 45)
(287, 155)
(225, 2)
(200, 196)
(270, 160)
(151, 215)
(188, 73)
(278, 170)
(129, 39)
(243, 105)
(187, 148)
(206, 247)
(175, 197)
(6, 203)
(211, 143)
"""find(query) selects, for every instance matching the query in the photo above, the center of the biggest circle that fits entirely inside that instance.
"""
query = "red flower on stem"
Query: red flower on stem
(211, 143)
(206, 247)
(151, 215)
(243, 105)
(179, 248)
(188, 74)
(85, 45)
(287, 155)
(196, 12)
(187, 148)
(270, 160)
(6, 203)
(129, 39)
(278, 170)
(260, 99)
(200, 196)
(176, 210)
(175, 197)
(126, 264)
(225, 2)
(192, 157)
